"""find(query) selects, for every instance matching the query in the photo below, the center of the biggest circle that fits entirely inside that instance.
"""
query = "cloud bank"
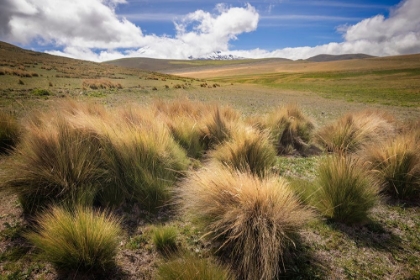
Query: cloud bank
(92, 30)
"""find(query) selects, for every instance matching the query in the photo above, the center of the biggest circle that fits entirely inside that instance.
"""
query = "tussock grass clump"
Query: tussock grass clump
(56, 162)
(81, 240)
(192, 268)
(396, 166)
(164, 239)
(254, 220)
(291, 130)
(101, 84)
(345, 191)
(9, 132)
(248, 150)
(145, 162)
(217, 126)
(353, 131)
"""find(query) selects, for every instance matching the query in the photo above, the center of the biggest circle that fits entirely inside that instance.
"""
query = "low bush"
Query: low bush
(353, 131)
(253, 220)
(101, 84)
(345, 191)
(9, 132)
(248, 150)
(192, 268)
(41, 92)
(396, 166)
(80, 240)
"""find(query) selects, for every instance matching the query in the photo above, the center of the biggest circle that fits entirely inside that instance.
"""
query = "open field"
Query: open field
(388, 80)
(111, 102)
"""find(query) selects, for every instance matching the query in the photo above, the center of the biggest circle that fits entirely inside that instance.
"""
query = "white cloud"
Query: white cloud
(378, 35)
(81, 26)
(91, 30)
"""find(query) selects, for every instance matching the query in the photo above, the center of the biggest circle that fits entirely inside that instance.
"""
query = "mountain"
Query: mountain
(328, 57)
(218, 55)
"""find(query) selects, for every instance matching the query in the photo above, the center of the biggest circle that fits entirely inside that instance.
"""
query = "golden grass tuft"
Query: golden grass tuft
(80, 240)
(248, 150)
(254, 220)
(395, 164)
(355, 130)
(291, 130)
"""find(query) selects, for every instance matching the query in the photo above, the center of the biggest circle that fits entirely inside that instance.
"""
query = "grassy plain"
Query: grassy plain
(386, 246)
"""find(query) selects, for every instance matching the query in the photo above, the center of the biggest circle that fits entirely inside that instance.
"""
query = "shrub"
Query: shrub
(346, 193)
(56, 162)
(192, 268)
(291, 130)
(164, 239)
(9, 132)
(396, 166)
(253, 220)
(100, 84)
(353, 131)
(82, 240)
(248, 150)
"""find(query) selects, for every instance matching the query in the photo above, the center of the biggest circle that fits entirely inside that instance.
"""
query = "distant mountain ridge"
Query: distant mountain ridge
(330, 57)
(217, 55)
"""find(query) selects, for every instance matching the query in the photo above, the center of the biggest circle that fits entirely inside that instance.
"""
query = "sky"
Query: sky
(101, 30)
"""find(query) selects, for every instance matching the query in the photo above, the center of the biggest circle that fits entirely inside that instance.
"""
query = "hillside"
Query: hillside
(327, 57)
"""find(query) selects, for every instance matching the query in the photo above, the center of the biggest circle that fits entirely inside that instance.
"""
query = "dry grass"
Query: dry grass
(254, 219)
(396, 166)
(291, 130)
(355, 130)
(9, 132)
(248, 150)
(100, 84)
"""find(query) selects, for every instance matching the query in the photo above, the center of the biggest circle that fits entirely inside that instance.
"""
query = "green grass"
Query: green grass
(192, 268)
(344, 191)
(164, 238)
(83, 240)
(398, 87)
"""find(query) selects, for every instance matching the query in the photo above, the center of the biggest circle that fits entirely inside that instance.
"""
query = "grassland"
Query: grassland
(385, 246)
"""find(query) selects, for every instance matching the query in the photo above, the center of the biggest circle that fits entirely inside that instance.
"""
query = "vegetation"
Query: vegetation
(164, 239)
(192, 268)
(253, 219)
(107, 121)
(80, 240)
(291, 130)
(9, 132)
(396, 166)
(353, 131)
(248, 150)
(345, 191)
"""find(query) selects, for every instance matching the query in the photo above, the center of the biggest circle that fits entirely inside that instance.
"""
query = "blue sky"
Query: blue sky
(108, 29)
